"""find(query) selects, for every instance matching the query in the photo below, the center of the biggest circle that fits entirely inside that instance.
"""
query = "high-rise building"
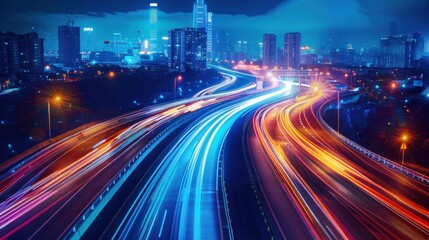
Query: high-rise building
(200, 15)
(260, 50)
(241, 51)
(21, 54)
(350, 56)
(165, 45)
(223, 46)
(292, 50)
(419, 46)
(153, 28)
(394, 52)
(119, 44)
(188, 49)
(308, 55)
(87, 40)
(210, 35)
(269, 50)
(69, 44)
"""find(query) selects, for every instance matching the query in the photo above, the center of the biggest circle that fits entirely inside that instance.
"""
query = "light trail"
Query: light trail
(185, 182)
(54, 177)
(338, 192)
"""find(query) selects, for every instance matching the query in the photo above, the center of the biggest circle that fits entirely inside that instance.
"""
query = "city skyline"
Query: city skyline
(214, 119)
(355, 23)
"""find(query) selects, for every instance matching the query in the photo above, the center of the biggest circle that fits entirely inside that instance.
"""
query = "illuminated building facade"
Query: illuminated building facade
(87, 40)
(187, 49)
(200, 15)
(269, 50)
(292, 50)
(153, 28)
(21, 54)
(394, 52)
(210, 35)
(69, 44)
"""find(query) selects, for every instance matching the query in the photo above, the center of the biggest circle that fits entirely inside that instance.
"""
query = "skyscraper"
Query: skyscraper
(153, 28)
(394, 52)
(418, 47)
(269, 50)
(69, 44)
(188, 49)
(165, 45)
(200, 15)
(210, 35)
(223, 46)
(119, 44)
(292, 50)
(21, 54)
(87, 40)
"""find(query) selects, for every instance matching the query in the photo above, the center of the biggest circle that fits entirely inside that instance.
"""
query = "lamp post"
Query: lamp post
(404, 147)
(338, 111)
(56, 99)
(175, 84)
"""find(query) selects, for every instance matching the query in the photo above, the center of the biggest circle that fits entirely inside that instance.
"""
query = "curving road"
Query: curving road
(182, 197)
(231, 162)
(45, 196)
(329, 190)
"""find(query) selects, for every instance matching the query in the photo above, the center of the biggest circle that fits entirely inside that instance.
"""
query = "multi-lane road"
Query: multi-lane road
(329, 190)
(231, 162)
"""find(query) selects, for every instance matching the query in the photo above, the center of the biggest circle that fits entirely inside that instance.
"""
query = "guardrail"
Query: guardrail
(374, 156)
(83, 222)
(227, 229)
(28, 155)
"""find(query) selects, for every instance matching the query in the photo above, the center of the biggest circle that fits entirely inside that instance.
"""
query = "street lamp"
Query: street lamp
(338, 111)
(316, 88)
(57, 99)
(175, 84)
(404, 140)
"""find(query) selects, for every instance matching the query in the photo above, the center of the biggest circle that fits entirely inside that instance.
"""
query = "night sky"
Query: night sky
(360, 22)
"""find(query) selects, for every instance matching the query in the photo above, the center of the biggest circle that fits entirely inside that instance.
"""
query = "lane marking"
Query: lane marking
(162, 224)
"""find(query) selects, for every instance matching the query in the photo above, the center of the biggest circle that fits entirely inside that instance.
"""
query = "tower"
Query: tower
(187, 49)
(153, 28)
(69, 44)
(269, 50)
(200, 15)
(210, 35)
(292, 50)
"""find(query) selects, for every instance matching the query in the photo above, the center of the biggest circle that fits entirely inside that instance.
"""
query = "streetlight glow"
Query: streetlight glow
(404, 139)
(178, 78)
(56, 99)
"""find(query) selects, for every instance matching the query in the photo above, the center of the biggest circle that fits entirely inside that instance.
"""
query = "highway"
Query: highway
(229, 162)
(328, 189)
(182, 197)
(64, 178)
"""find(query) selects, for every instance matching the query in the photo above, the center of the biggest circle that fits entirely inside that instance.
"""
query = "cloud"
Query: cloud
(304, 15)
(347, 21)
